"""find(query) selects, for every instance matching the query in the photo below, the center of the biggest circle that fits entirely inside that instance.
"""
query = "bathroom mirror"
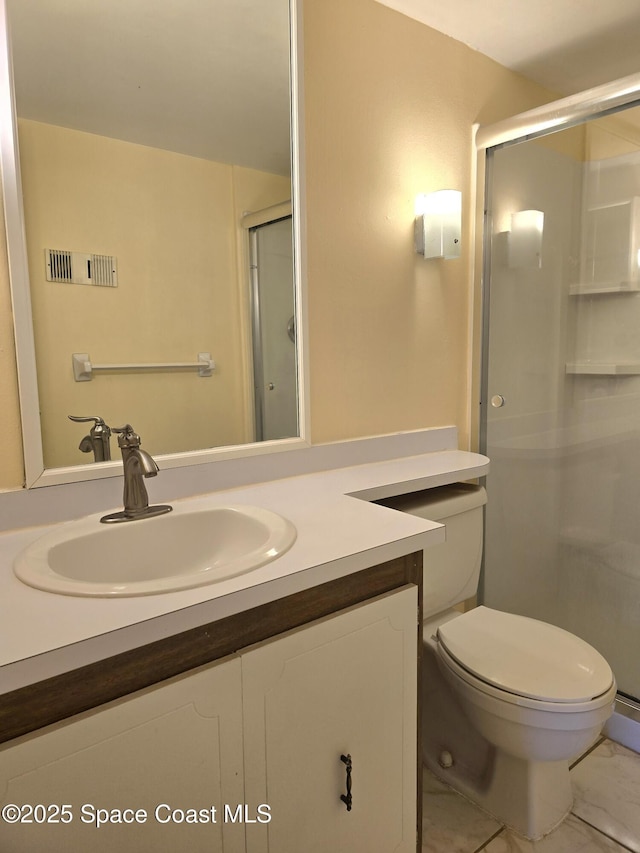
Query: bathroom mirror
(150, 175)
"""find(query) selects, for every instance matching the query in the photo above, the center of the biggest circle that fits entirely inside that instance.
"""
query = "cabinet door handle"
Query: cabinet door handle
(347, 798)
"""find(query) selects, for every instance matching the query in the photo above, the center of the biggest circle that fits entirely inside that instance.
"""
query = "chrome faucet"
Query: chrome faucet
(97, 440)
(137, 464)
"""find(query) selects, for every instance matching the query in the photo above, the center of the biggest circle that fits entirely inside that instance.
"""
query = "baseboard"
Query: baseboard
(624, 725)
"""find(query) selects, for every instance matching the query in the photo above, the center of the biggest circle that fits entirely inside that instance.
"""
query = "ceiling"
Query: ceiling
(208, 78)
(565, 45)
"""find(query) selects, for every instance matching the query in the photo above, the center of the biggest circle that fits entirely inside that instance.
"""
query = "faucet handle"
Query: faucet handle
(98, 438)
(127, 437)
(85, 420)
(99, 427)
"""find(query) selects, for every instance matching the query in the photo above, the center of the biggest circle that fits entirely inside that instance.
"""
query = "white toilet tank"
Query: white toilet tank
(451, 569)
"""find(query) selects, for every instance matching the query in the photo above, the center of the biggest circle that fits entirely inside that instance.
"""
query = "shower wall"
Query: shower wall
(563, 350)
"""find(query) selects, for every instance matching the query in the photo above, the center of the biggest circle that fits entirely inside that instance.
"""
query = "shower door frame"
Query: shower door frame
(549, 118)
(257, 310)
(553, 117)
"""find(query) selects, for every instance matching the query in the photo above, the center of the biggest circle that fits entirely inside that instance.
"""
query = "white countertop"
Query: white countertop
(339, 532)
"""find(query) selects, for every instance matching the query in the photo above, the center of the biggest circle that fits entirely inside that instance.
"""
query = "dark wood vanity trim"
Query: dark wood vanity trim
(57, 698)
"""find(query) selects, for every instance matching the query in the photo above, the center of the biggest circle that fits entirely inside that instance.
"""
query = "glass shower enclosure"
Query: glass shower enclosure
(560, 387)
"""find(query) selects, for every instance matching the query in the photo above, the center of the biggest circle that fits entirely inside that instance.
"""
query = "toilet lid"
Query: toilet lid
(525, 656)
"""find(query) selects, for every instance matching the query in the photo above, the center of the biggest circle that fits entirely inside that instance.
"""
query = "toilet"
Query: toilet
(507, 701)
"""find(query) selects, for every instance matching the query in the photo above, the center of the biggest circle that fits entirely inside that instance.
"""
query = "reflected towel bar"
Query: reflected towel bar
(83, 368)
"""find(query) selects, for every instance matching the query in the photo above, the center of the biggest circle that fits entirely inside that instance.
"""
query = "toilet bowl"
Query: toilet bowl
(537, 696)
(507, 700)
(528, 727)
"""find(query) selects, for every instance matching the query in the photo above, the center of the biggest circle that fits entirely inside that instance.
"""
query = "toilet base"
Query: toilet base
(532, 798)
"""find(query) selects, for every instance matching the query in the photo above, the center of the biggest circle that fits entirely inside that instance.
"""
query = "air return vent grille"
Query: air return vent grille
(81, 268)
(59, 265)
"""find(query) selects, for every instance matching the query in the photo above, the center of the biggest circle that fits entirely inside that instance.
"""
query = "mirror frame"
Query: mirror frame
(35, 472)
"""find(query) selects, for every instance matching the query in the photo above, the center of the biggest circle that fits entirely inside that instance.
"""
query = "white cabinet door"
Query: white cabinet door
(343, 685)
(177, 746)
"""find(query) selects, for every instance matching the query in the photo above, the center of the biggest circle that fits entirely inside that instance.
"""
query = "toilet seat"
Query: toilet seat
(528, 661)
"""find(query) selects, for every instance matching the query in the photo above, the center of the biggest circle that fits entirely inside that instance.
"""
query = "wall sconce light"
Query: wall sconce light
(438, 224)
(525, 239)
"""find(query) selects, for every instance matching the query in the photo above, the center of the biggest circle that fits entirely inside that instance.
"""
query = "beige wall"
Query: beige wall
(389, 109)
(613, 136)
(389, 106)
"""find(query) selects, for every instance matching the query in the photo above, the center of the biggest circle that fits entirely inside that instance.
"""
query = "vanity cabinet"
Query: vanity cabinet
(179, 744)
(243, 753)
(345, 686)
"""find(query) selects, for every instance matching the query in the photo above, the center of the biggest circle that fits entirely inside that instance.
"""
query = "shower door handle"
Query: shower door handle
(497, 401)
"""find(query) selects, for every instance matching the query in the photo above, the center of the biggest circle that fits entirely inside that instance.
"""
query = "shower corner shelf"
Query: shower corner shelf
(595, 368)
(604, 288)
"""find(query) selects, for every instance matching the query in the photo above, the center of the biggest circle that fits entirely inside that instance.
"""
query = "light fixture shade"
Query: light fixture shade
(438, 224)
(525, 239)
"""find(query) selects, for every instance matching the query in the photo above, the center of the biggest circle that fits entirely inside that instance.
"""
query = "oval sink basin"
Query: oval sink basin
(183, 549)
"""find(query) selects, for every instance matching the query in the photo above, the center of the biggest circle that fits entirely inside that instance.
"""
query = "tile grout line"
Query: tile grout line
(600, 741)
(489, 840)
(502, 829)
(606, 834)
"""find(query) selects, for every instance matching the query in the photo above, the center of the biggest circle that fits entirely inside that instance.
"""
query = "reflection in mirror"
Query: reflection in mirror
(154, 145)
(272, 300)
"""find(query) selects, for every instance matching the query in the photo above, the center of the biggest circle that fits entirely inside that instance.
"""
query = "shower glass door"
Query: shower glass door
(561, 384)
(273, 330)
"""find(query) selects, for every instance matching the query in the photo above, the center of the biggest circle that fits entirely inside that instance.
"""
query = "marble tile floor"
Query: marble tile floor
(605, 814)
